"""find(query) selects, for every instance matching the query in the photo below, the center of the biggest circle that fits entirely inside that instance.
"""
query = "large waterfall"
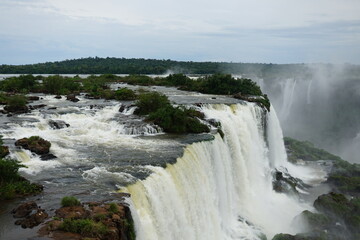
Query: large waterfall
(219, 189)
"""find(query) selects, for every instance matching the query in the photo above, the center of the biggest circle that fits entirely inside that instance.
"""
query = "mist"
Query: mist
(315, 102)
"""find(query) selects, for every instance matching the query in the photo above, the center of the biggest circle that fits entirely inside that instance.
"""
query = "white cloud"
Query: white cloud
(232, 30)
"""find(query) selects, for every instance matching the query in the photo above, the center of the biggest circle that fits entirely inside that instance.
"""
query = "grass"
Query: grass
(69, 201)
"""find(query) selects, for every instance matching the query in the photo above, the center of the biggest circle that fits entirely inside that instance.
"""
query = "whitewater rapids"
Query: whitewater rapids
(220, 189)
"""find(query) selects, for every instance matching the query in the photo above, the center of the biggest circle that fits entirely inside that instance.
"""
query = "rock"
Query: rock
(33, 98)
(122, 108)
(334, 204)
(72, 97)
(33, 220)
(48, 156)
(52, 108)
(58, 97)
(17, 109)
(33, 107)
(4, 151)
(35, 144)
(75, 212)
(58, 124)
(24, 209)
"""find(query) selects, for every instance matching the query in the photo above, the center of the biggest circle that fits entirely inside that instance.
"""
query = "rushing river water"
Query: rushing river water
(211, 188)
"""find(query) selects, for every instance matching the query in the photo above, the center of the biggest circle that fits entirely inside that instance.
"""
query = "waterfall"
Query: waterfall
(220, 189)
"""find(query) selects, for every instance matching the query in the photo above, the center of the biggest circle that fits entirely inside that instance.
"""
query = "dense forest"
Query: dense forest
(145, 66)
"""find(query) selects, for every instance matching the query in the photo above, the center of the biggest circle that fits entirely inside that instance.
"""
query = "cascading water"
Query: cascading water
(220, 189)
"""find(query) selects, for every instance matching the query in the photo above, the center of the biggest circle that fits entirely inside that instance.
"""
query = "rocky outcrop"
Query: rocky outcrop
(58, 124)
(35, 144)
(32, 215)
(110, 221)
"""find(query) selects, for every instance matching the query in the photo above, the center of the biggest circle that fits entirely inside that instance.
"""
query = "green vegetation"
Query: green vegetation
(125, 94)
(21, 84)
(85, 227)
(96, 65)
(177, 120)
(113, 208)
(171, 119)
(305, 150)
(11, 183)
(70, 201)
(59, 85)
(16, 101)
(150, 102)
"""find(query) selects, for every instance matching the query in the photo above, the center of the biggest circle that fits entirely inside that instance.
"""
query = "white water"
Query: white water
(220, 189)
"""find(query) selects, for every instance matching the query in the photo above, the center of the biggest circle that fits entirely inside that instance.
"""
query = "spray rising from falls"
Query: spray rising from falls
(220, 189)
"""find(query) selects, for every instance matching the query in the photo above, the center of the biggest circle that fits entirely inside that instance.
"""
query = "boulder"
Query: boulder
(24, 209)
(33, 107)
(58, 97)
(72, 97)
(48, 156)
(58, 124)
(35, 144)
(33, 220)
(16, 109)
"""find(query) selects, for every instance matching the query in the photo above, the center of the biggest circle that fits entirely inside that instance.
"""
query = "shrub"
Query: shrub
(86, 227)
(125, 94)
(9, 170)
(23, 83)
(70, 202)
(11, 183)
(16, 101)
(177, 120)
(151, 102)
(113, 207)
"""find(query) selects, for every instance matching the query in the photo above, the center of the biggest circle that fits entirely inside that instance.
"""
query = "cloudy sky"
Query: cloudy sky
(277, 31)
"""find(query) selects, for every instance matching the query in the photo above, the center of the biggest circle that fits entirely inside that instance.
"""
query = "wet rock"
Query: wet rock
(33, 98)
(52, 108)
(58, 97)
(48, 156)
(16, 109)
(72, 97)
(4, 151)
(58, 124)
(24, 209)
(33, 220)
(35, 144)
(33, 107)
(283, 182)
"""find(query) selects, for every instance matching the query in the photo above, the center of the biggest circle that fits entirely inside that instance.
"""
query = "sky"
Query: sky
(257, 31)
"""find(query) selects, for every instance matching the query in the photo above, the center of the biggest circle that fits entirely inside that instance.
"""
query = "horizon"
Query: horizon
(204, 61)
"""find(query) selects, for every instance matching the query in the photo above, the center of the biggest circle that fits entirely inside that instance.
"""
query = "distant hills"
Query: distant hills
(144, 66)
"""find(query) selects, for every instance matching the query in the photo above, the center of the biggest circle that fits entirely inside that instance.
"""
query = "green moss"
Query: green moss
(129, 223)
(316, 220)
(69, 201)
(305, 150)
